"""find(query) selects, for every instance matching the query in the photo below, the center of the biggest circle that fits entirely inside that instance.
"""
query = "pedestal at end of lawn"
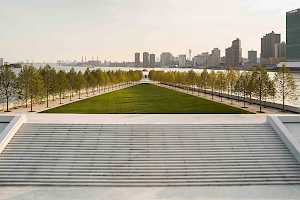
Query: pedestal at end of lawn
(146, 99)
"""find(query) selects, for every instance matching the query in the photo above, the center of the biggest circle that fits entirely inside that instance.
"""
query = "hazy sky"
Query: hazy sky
(48, 30)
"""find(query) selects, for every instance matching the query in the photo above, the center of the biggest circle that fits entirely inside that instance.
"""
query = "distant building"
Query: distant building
(293, 35)
(252, 57)
(223, 60)
(182, 60)
(233, 54)
(280, 51)
(166, 59)
(1, 61)
(228, 56)
(152, 60)
(175, 61)
(146, 62)
(137, 59)
(214, 58)
(201, 60)
(237, 52)
(268, 42)
(190, 54)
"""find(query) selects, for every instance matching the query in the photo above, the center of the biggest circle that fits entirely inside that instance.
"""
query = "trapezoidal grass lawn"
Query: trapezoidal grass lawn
(146, 99)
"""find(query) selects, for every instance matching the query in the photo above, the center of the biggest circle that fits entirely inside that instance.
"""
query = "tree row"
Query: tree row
(32, 85)
(254, 84)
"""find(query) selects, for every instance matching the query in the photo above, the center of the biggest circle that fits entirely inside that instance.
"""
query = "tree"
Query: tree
(35, 85)
(221, 83)
(93, 80)
(54, 84)
(23, 84)
(49, 81)
(264, 85)
(191, 79)
(72, 81)
(80, 82)
(8, 84)
(251, 86)
(212, 82)
(203, 79)
(98, 79)
(286, 86)
(87, 76)
(231, 77)
(62, 83)
(243, 85)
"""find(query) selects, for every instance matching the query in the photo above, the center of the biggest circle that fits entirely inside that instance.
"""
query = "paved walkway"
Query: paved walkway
(56, 103)
(238, 104)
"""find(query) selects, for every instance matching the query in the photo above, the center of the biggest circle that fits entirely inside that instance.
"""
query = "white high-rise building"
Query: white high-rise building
(182, 60)
(201, 60)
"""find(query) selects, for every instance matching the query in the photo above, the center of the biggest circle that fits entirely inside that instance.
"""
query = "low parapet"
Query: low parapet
(14, 123)
(287, 127)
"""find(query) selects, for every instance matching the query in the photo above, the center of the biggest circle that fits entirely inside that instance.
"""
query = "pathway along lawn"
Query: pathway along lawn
(146, 99)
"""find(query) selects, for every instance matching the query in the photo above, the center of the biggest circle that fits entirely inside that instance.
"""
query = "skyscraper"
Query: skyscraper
(280, 51)
(201, 60)
(268, 42)
(1, 61)
(252, 57)
(137, 59)
(152, 60)
(293, 35)
(190, 54)
(182, 60)
(228, 57)
(214, 58)
(237, 52)
(166, 59)
(233, 54)
(146, 59)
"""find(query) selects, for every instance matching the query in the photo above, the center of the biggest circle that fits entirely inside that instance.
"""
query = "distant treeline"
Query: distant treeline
(35, 85)
(255, 83)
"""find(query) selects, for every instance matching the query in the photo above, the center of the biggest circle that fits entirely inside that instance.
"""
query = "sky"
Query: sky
(47, 31)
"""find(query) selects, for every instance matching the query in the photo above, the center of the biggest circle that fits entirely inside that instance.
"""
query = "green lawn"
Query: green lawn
(146, 99)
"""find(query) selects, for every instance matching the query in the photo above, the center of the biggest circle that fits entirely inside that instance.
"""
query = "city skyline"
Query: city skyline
(96, 28)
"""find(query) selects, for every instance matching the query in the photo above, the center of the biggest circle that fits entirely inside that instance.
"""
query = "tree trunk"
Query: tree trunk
(7, 103)
(260, 93)
(244, 99)
(31, 110)
(47, 98)
(59, 97)
(283, 103)
(221, 96)
(26, 101)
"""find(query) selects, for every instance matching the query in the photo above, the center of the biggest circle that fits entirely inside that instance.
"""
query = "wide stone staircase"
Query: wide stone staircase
(147, 155)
